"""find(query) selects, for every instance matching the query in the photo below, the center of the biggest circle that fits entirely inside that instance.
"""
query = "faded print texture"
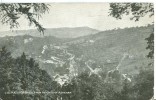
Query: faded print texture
(77, 51)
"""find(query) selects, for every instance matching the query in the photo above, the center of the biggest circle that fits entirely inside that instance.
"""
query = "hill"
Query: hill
(57, 32)
(64, 58)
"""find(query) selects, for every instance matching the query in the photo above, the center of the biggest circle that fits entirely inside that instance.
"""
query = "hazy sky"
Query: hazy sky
(94, 15)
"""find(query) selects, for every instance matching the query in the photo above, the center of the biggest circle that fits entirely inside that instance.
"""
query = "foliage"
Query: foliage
(22, 74)
(10, 13)
(143, 88)
(144, 84)
(150, 42)
(137, 10)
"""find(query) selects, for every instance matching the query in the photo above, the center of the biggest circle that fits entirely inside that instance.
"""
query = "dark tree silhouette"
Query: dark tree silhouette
(136, 10)
(144, 84)
(150, 42)
(10, 13)
(22, 74)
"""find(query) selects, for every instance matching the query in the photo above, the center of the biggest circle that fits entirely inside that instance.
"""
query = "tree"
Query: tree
(6, 67)
(22, 74)
(150, 42)
(136, 10)
(143, 88)
(10, 13)
(32, 77)
(144, 84)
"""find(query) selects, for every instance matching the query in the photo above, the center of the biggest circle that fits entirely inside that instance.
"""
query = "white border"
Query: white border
(83, 1)
(50, 1)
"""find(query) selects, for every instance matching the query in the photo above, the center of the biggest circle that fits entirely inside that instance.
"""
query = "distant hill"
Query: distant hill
(57, 32)
(109, 47)
(66, 57)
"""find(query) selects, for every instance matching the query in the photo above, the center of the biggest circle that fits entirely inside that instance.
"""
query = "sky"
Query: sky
(93, 15)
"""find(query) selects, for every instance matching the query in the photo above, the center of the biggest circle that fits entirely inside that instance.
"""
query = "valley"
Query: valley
(64, 58)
